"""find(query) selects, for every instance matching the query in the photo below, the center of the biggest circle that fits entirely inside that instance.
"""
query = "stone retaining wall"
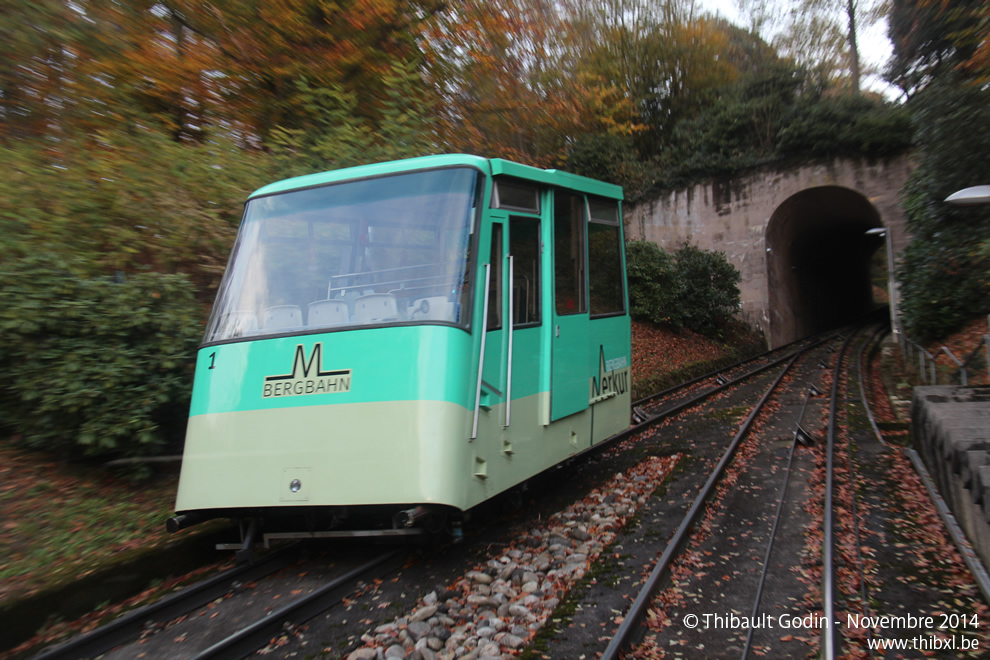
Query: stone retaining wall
(951, 429)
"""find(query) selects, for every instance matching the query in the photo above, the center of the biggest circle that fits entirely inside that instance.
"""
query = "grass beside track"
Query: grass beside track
(61, 522)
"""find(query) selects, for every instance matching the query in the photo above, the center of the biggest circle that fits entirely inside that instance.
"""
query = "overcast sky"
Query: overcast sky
(874, 46)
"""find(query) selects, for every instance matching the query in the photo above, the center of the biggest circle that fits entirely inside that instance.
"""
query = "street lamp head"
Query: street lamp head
(975, 196)
(877, 231)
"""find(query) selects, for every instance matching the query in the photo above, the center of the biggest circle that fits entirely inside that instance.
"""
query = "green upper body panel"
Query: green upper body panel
(428, 362)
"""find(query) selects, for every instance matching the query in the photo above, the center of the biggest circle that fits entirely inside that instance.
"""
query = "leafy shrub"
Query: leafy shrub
(694, 289)
(336, 133)
(123, 202)
(781, 113)
(95, 367)
(709, 291)
(653, 283)
(850, 125)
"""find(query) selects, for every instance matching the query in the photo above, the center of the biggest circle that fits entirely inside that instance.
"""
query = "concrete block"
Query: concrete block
(951, 429)
(975, 459)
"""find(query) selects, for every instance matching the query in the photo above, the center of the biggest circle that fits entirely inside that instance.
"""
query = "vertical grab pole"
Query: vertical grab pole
(508, 377)
(481, 358)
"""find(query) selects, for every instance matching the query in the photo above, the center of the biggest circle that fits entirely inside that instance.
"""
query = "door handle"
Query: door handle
(481, 358)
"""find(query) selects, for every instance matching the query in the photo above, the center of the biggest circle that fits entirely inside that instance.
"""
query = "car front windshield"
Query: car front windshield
(376, 251)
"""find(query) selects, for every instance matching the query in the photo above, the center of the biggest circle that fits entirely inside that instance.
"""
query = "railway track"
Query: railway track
(234, 596)
(744, 576)
(640, 610)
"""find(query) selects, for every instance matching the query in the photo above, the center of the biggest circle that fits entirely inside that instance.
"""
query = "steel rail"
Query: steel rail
(816, 340)
(851, 467)
(637, 611)
(830, 638)
(130, 625)
(251, 638)
(862, 383)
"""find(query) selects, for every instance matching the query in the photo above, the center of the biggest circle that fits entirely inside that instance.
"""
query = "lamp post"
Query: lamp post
(975, 196)
(895, 320)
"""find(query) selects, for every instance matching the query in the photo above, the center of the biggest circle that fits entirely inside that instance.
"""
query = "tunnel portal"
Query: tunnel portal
(818, 261)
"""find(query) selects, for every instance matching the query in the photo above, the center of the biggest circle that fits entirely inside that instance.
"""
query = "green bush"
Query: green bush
(709, 291)
(125, 202)
(653, 283)
(694, 289)
(778, 115)
(95, 367)
(851, 125)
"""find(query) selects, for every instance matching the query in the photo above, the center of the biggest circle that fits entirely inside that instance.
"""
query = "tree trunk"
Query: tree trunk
(853, 48)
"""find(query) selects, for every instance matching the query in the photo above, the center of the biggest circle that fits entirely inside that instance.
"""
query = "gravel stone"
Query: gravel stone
(423, 613)
(504, 601)
(396, 651)
(518, 611)
(366, 653)
(418, 629)
(483, 578)
(489, 650)
(580, 534)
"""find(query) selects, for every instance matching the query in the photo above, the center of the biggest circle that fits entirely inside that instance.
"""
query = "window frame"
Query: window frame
(617, 223)
(497, 203)
(581, 224)
(538, 220)
(466, 301)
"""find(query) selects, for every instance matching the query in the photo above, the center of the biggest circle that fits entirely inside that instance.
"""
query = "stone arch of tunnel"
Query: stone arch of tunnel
(818, 261)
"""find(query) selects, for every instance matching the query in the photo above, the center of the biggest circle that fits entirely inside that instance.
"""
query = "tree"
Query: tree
(509, 83)
(89, 65)
(334, 134)
(934, 36)
(945, 271)
(820, 35)
(32, 65)
(190, 67)
(269, 48)
(663, 59)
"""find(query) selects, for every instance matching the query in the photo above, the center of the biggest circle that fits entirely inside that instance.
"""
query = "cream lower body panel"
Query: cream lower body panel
(336, 455)
(405, 452)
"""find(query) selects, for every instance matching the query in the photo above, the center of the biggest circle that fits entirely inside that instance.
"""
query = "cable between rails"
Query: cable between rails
(776, 519)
